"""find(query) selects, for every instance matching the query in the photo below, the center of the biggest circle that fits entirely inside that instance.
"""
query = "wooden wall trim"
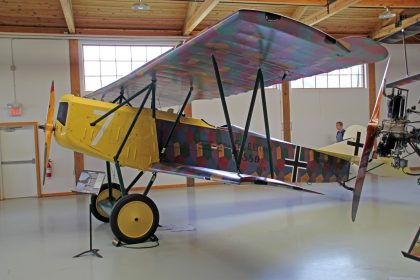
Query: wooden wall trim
(140, 188)
(79, 163)
(285, 90)
(18, 124)
(37, 161)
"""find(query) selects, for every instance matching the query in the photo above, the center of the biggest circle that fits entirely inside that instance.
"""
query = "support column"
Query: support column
(285, 89)
(188, 113)
(79, 162)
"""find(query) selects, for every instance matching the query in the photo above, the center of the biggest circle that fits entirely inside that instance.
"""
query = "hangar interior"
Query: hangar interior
(209, 230)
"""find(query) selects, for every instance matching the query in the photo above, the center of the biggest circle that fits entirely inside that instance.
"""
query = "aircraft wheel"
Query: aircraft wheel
(134, 218)
(103, 194)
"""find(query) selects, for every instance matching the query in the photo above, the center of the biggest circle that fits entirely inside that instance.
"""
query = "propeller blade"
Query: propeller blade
(367, 148)
(49, 127)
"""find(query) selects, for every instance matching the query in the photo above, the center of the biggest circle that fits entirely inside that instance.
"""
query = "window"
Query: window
(352, 77)
(104, 64)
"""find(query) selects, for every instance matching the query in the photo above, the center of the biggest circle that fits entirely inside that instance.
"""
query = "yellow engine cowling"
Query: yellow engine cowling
(73, 131)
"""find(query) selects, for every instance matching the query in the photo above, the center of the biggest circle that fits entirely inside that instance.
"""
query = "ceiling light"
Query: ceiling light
(387, 14)
(140, 6)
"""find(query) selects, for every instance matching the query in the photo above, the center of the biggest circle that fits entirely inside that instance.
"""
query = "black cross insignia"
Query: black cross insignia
(296, 163)
(356, 144)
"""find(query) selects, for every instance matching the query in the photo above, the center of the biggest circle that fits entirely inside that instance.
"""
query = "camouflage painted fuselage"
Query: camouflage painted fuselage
(210, 148)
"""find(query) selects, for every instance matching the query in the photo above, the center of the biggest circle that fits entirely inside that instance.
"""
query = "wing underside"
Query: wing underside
(220, 176)
(404, 81)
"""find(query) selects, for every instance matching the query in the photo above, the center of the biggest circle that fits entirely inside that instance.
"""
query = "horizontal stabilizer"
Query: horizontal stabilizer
(351, 147)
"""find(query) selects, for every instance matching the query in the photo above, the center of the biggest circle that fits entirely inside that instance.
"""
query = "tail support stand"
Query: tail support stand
(91, 250)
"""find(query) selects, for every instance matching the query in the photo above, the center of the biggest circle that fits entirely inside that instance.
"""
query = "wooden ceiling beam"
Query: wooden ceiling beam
(200, 13)
(391, 28)
(192, 7)
(68, 15)
(327, 12)
(114, 32)
(89, 31)
(362, 3)
(387, 3)
(299, 12)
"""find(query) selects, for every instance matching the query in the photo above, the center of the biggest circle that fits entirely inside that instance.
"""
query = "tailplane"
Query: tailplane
(351, 147)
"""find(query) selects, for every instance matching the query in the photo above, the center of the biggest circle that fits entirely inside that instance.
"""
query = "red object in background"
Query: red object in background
(48, 172)
(14, 110)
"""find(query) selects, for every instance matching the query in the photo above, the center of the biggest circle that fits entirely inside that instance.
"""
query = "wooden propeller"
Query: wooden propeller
(48, 129)
(372, 130)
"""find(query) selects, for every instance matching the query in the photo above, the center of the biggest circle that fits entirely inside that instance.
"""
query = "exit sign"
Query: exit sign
(14, 110)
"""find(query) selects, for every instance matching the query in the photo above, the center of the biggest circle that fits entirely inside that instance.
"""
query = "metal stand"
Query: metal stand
(91, 250)
(410, 253)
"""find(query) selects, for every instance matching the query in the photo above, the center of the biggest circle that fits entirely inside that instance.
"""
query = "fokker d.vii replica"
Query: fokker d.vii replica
(247, 51)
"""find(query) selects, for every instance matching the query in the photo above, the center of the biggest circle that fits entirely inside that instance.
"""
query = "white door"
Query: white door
(18, 168)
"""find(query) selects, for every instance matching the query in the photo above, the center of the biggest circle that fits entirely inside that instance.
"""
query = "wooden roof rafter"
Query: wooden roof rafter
(328, 11)
(361, 3)
(67, 8)
(299, 12)
(199, 14)
(391, 28)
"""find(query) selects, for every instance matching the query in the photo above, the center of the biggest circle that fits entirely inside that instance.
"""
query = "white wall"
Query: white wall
(314, 113)
(38, 62)
(238, 105)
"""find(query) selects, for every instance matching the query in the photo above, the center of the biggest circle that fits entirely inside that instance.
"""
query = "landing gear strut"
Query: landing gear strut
(103, 197)
(133, 218)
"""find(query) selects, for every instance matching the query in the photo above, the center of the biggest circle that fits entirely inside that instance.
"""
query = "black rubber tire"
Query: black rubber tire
(152, 213)
(97, 213)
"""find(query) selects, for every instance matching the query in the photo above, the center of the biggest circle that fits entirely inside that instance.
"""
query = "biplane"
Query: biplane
(249, 50)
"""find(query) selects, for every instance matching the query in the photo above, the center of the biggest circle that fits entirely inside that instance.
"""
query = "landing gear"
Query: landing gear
(134, 219)
(102, 196)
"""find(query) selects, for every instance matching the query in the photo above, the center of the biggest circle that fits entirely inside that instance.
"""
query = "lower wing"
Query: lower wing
(220, 175)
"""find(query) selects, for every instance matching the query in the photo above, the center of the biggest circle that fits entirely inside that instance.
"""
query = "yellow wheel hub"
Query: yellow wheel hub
(135, 219)
(104, 195)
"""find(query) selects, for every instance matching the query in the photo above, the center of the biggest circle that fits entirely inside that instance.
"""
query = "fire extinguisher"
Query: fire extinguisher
(48, 172)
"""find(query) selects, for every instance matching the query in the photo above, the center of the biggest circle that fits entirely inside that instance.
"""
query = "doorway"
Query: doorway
(19, 160)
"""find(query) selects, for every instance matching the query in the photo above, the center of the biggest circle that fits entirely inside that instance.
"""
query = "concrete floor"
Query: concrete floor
(241, 233)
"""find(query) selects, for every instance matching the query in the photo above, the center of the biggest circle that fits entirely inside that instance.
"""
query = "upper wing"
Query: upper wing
(283, 48)
(404, 81)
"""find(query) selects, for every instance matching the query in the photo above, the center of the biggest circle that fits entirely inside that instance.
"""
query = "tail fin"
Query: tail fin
(351, 146)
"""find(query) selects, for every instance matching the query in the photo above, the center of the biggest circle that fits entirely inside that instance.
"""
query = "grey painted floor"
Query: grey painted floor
(241, 233)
